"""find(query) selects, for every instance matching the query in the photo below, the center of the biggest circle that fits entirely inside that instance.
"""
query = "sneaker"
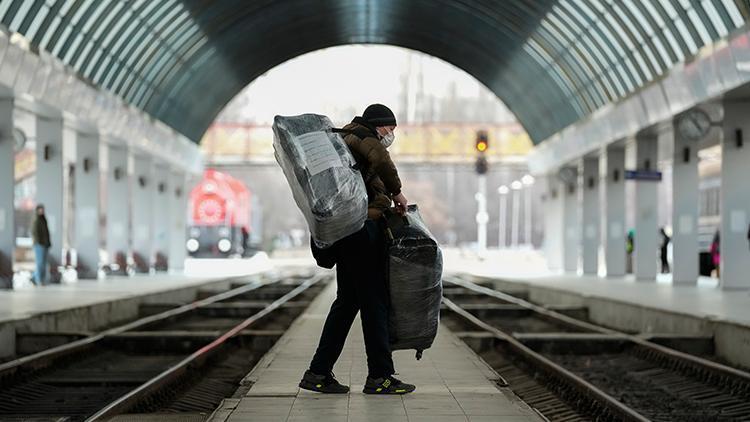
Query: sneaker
(322, 383)
(387, 385)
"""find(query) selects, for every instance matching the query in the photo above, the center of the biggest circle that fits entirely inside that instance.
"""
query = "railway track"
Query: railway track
(571, 370)
(180, 361)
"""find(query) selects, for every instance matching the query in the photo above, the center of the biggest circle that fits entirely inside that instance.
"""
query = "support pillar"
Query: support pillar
(49, 180)
(615, 253)
(7, 185)
(571, 224)
(590, 210)
(87, 230)
(735, 196)
(553, 238)
(685, 211)
(177, 217)
(646, 211)
(118, 209)
(143, 187)
(161, 207)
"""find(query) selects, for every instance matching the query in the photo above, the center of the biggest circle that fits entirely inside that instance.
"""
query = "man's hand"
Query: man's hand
(401, 203)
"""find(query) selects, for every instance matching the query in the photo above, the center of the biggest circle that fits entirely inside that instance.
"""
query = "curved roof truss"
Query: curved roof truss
(553, 62)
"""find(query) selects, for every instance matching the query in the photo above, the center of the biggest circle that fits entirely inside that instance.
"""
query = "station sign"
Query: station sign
(647, 175)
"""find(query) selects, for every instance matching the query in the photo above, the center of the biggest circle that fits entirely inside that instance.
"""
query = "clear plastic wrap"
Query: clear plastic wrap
(415, 269)
(322, 174)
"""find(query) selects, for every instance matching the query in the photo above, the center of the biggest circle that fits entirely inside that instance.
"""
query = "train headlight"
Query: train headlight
(192, 245)
(225, 245)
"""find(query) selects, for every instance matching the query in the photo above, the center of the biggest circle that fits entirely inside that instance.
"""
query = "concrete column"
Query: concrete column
(553, 244)
(7, 185)
(735, 196)
(118, 207)
(177, 217)
(143, 186)
(646, 211)
(49, 179)
(161, 215)
(590, 220)
(685, 211)
(615, 253)
(570, 223)
(87, 230)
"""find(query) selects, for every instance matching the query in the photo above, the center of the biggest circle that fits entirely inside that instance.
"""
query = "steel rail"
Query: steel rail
(197, 358)
(728, 371)
(582, 386)
(45, 357)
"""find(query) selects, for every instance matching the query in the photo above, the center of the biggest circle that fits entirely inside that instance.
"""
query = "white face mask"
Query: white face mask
(387, 139)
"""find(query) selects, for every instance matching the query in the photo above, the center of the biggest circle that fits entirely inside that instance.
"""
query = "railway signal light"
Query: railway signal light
(481, 165)
(482, 142)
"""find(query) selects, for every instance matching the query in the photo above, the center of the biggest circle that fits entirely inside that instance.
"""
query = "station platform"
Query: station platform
(51, 298)
(453, 383)
(624, 303)
(84, 307)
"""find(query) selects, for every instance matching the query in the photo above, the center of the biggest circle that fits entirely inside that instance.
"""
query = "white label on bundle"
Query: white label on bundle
(318, 151)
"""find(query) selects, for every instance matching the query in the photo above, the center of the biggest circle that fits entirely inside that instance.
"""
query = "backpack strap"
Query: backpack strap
(360, 133)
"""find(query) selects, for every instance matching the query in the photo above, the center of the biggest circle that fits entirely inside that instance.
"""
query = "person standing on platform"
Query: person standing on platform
(665, 239)
(629, 248)
(716, 252)
(360, 261)
(245, 241)
(40, 236)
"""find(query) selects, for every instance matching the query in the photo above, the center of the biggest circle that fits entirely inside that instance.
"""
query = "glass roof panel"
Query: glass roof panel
(36, 20)
(734, 12)
(700, 26)
(685, 34)
(716, 19)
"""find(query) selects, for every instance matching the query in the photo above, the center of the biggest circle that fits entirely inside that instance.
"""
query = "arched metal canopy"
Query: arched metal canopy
(553, 62)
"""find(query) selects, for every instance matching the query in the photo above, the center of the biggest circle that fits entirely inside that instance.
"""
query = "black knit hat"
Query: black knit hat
(379, 115)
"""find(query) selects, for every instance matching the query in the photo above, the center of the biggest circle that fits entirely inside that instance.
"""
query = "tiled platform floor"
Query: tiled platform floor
(453, 384)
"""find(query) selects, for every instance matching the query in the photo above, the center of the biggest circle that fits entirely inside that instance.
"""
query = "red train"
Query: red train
(219, 222)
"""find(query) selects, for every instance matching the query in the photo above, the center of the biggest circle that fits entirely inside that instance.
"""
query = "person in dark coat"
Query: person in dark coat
(245, 240)
(716, 252)
(629, 249)
(360, 261)
(40, 236)
(665, 239)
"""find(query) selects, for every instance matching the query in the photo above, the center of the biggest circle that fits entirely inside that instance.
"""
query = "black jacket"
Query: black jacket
(40, 232)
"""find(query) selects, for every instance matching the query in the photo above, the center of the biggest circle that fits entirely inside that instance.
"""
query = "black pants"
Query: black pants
(664, 261)
(361, 282)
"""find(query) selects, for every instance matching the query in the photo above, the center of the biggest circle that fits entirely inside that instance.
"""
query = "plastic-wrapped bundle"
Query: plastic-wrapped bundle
(415, 269)
(321, 172)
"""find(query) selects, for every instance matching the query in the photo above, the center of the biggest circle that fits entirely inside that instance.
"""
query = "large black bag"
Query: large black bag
(415, 269)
